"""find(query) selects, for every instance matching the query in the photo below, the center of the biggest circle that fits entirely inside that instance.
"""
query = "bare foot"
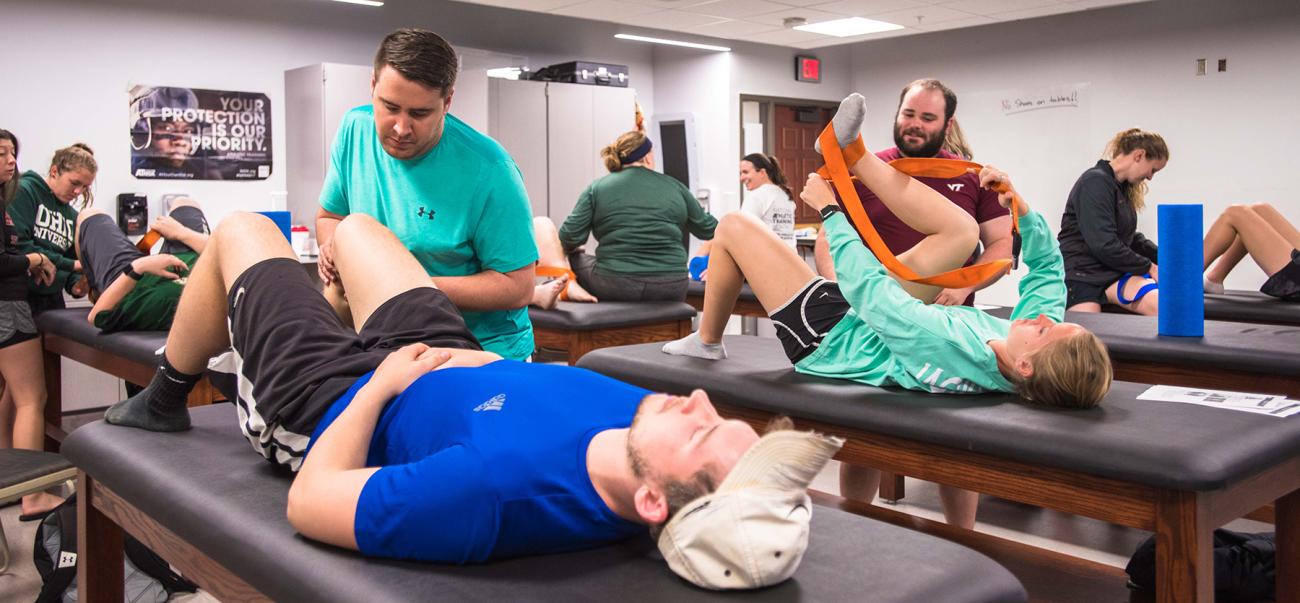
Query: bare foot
(547, 294)
(578, 294)
(40, 503)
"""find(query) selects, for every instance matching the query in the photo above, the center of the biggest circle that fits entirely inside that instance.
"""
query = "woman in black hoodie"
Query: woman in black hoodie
(21, 363)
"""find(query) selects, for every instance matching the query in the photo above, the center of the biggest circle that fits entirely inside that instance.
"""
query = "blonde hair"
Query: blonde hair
(955, 141)
(1074, 372)
(78, 156)
(1134, 139)
(613, 154)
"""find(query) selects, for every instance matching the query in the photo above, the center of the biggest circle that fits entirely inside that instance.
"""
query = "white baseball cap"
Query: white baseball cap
(753, 530)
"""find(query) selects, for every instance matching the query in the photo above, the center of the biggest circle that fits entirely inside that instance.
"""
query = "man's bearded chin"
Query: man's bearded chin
(929, 148)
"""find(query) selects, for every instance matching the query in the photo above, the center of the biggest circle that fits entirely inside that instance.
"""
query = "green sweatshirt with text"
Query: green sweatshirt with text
(45, 225)
(890, 338)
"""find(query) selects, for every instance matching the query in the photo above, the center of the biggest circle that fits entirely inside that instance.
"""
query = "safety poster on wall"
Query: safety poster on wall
(196, 134)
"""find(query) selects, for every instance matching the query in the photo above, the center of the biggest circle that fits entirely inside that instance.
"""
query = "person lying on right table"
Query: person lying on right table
(410, 441)
(868, 329)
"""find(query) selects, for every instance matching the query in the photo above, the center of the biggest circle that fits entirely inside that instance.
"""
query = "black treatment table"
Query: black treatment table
(1175, 469)
(206, 503)
(130, 355)
(578, 328)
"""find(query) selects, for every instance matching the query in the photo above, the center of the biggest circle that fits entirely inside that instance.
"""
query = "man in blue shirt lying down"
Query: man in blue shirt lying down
(411, 442)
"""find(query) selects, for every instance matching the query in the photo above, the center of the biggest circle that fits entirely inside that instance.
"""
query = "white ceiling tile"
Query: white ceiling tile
(603, 10)
(665, 4)
(737, 9)
(672, 20)
(972, 21)
(787, 37)
(737, 30)
(833, 41)
(1033, 13)
(1101, 3)
(540, 6)
(921, 17)
(859, 8)
(991, 7)
(811, 15)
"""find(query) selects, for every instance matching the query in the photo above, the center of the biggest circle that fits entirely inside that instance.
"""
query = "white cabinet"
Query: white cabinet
(315, 99)
(555, 132)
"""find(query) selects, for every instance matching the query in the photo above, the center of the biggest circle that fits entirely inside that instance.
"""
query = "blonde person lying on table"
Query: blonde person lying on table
(868, 329)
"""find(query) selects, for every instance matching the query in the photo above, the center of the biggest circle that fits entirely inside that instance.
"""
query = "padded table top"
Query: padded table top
(18, 465)
(1159, 444)
(1251, 306)
(696, 289)
(208, 487)
(1239, 346)
(574, 316)
(136, 346)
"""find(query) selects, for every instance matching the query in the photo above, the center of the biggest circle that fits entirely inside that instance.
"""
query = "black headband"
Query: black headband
(638, 152)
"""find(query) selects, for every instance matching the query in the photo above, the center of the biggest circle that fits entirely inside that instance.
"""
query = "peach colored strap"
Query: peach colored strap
(837, 162)
(558, 271)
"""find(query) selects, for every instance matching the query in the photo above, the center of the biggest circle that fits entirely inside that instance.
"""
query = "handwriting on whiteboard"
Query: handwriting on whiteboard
(1054, 98)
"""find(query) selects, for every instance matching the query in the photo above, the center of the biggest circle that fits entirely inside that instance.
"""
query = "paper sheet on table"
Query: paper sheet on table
(1274, 406)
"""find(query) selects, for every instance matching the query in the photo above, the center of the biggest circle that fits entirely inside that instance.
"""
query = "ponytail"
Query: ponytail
(624, 151)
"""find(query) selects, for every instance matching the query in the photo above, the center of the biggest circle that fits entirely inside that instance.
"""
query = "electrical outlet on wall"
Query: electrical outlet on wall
(1223, 65)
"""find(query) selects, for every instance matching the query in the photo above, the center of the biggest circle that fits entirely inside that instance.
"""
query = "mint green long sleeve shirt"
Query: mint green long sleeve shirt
(890, 338)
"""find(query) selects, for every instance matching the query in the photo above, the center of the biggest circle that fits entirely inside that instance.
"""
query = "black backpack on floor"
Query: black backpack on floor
(148, 577)
(1244, 567)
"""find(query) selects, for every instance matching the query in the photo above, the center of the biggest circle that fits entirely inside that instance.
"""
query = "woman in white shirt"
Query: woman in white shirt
(767, 195)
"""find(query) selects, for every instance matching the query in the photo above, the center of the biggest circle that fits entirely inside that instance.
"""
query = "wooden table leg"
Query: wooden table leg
(53, 400)
(1288, 547)
(891, 487)
(99, 544)
(1184, 549)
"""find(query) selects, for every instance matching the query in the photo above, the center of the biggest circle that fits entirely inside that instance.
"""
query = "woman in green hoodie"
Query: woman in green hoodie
(44, 216)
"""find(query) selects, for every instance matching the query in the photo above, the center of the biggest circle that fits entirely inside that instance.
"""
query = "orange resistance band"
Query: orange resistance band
(557, 271)
(836, 170)
(148, 240)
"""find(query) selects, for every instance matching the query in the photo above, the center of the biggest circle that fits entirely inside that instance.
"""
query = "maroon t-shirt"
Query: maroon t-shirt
(982, 204)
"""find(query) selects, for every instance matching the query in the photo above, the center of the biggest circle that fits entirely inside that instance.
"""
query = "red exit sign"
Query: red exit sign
(807, 69)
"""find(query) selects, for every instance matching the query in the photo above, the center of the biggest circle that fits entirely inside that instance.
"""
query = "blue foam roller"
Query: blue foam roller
(1182, 296)
(698, 265)
(281, 219)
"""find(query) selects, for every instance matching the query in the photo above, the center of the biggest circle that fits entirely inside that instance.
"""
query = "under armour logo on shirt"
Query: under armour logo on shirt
(424, 211)
(495, 403)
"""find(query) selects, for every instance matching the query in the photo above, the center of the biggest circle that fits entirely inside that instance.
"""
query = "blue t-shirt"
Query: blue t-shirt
(461, 208)
(489, 463)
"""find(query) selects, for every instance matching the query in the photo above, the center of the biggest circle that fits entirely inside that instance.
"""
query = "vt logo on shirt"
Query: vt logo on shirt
(425, 213)
(955, 187)
(497, 402)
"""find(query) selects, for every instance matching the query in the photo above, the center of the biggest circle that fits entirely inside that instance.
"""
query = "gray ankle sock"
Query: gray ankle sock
(160, 406)
(848, 120)
(691, 345)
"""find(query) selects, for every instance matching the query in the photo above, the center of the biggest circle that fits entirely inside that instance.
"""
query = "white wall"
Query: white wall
(75, 59)
(1231, 135)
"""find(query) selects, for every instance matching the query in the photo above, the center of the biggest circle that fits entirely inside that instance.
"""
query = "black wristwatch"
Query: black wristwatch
(131, 273)
(829, 211)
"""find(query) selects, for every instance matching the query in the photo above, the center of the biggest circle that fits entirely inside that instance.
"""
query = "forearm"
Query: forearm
(1042, 291)
(346, 442)
(193, 239)
(488, 290)
(13, 263)
(326, 222)
(112, 296)
(998, 249)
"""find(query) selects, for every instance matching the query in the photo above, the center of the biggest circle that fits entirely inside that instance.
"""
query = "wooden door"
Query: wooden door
(796, 130)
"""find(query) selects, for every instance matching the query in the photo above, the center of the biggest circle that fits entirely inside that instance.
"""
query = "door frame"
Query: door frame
(767, 115)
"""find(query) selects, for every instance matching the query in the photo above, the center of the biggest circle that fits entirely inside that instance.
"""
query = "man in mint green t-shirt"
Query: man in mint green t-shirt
(453, 196)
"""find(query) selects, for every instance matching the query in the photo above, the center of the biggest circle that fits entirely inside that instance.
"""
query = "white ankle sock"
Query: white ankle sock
(848, 120)
(1213, 287)
(691, 345)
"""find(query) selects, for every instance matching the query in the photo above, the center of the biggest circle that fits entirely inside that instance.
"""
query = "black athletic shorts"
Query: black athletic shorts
(106, 252)
(1285, 283)
(803, 322)
(293, 357)
(1079, 293)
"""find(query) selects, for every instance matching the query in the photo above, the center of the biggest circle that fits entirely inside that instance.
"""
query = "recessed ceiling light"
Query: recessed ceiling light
(363, 2)
(852, 26)
(672, 42)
